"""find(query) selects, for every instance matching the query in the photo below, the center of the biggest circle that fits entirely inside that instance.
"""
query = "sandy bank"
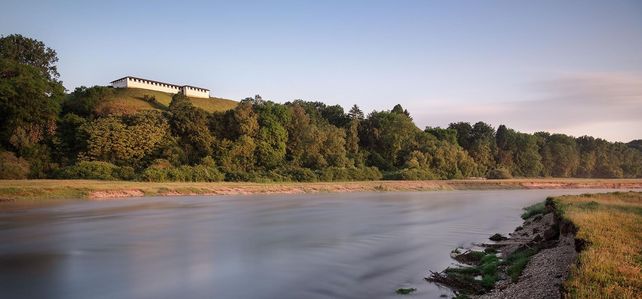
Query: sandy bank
(20, 190)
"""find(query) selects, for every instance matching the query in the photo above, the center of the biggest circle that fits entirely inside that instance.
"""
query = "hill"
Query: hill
(131, 100)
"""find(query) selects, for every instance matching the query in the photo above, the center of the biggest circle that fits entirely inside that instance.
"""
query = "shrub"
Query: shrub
(125, 173)
(12, 167)
(499, 174)
(153, 174)
(349, 174)
(162, 171)
(92, 170)
(150, 99)
(238, 176)
(411, 174)
(334, 174)
(298, 174)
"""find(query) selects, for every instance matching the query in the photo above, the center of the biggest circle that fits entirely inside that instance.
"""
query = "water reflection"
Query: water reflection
(355, 245)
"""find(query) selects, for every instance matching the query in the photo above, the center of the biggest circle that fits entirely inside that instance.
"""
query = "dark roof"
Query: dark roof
(160, 82)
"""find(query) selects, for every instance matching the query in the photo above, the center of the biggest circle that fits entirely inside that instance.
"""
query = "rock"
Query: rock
(551, 233)
(497, 238)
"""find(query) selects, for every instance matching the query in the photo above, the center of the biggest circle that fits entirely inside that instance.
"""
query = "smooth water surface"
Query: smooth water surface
(337, 245)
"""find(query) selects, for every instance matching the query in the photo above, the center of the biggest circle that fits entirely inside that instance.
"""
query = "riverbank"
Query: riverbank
(47, 190)
(582, 246)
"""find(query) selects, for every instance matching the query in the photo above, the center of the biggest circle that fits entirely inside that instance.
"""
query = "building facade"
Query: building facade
(135, 82)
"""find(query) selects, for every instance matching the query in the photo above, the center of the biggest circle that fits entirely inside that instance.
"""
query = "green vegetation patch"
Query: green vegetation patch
(532, 210)
(405, 291)
(517, 261)
(479, 278)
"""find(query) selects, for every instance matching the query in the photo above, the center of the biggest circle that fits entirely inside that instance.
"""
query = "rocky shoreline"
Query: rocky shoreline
(532, 262)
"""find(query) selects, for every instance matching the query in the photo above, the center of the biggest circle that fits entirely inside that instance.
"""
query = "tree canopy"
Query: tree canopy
(42, 135)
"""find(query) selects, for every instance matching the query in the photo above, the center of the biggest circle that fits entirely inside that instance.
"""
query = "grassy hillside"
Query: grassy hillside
(129, 100)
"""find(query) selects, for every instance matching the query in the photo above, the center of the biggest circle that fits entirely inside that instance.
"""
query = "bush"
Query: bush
(298, 174)
(162, 171)
(238, 176)
(499, 174)
(90, 170)
(125, 173)
(349, 174)
(153, 174)
(411, 174)
(12, 167)
(150, 99)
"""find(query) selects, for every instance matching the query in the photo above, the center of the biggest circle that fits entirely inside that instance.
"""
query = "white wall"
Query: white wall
(122, 83)
(169, 88)
(138, 83)
(196, 92)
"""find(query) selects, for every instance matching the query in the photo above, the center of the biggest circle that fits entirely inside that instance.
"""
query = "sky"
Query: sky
(572, 67)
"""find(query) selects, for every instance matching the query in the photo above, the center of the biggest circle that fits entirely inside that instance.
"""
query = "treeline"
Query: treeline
(45, 133)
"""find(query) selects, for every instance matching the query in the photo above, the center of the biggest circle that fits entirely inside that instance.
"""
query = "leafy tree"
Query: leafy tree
(84, 101)
(386, 135)
(560, 156)
(70, 139)
(29, 105)
(448, 135)
(399, 110)
(356, 113)
(28, 51)
(124, 140)
(190, 124)
(272, 136)
(464, 133)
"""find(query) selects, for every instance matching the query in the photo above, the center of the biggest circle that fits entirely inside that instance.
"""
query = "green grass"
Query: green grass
(516, 262)
(487, 269)
(405, 291)
(533, 210)
(131, 100)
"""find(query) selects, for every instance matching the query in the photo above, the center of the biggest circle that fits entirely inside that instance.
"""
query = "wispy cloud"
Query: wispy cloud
(576, 104)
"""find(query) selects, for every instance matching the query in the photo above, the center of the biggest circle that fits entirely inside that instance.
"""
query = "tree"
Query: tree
(464, 133)
(356, 113)
(124, 141)
(28, 51)
(190, 125)
(84, 101)
(387, 136)
(29, 105)
(398, 109)
(560, 156)
(272, 136)
(448, 135)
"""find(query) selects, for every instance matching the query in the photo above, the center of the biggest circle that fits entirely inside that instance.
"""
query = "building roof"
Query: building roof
(159, 82)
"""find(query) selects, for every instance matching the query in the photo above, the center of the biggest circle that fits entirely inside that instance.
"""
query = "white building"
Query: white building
(134, 82)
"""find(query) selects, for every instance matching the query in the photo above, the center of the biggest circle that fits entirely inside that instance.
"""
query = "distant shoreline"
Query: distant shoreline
(47, 190)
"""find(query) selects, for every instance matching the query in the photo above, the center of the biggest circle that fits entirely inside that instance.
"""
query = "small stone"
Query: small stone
(497, 237)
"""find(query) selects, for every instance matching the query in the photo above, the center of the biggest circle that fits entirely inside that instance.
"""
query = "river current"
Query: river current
(332, 245)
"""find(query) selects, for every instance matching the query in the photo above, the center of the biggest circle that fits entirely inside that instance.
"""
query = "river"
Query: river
(332, 245)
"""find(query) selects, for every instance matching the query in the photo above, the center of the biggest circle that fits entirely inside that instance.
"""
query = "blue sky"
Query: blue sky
(573, 67)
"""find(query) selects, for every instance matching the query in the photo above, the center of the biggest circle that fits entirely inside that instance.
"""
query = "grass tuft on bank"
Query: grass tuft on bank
(530, 211)
(610, 266)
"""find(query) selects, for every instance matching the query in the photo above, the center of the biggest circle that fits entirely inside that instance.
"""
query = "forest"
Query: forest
(47, 132)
